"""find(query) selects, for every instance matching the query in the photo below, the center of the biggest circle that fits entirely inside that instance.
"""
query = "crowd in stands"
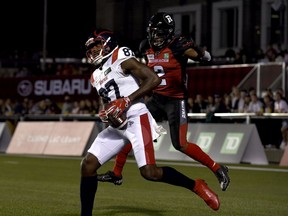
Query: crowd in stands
(31, 65)
(238, 101)
(243, 101)
(273, 53)
(48, 107)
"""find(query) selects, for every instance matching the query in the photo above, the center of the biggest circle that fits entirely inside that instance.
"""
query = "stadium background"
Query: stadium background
(32, 185)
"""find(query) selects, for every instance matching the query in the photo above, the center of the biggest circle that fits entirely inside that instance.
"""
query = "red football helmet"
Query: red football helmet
(100, 46)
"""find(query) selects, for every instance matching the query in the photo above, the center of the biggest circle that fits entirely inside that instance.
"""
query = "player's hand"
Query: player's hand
(103, 116)
(118, 106)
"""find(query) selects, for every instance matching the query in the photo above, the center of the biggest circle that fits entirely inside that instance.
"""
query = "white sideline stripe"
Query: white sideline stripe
(193, 164)
(230, 166)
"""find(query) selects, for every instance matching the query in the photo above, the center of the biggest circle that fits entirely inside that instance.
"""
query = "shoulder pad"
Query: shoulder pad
(125, 52)
(122, 54)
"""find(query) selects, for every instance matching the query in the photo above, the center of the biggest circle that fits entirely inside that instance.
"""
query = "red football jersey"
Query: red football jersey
(170, 65)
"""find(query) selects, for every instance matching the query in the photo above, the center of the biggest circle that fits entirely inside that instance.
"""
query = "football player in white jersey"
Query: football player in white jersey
(122, 81)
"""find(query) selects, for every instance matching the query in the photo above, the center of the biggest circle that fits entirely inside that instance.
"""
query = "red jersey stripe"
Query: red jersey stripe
(147, 139)
(91, 78)
(115, 55)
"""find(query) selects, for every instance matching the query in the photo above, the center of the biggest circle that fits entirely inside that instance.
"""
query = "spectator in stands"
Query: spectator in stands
(252, 91)
(260, 57)
(39, 108)
(247, 101)
(68, 69)
(8, 107)
(190, 105)
(239, 58)
(230, 56)
(51, 107)
(22, 108)
(255, 105)
(85, 107)
(271, 53)
(200, 105)
(22, 72)
(95, 107)
(59, 69)
(89, 106)
(282, 93)
(228, 102)
(268, 104)
(241, 104)
(76, 108)
(280, 56)
(269, 92)
(280, 105)
(235, 97)
(219, 107)
(67, 105)
(210, 104)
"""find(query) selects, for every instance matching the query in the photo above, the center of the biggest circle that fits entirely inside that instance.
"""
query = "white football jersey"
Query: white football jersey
(110, 80)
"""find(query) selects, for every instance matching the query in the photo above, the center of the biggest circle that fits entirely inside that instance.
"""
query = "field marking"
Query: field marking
(192, 164)
(11, 162)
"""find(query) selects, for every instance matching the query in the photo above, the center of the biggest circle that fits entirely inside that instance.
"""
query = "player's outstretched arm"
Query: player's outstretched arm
(198, 53)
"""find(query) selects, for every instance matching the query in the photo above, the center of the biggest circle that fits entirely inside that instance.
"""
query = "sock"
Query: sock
(173, 177)
(121, 160)
(196, 153)
(88, 188)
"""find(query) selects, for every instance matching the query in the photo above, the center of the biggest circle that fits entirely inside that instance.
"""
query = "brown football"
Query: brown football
(119, 122)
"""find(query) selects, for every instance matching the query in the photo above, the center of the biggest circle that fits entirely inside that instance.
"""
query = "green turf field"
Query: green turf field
(37, 186)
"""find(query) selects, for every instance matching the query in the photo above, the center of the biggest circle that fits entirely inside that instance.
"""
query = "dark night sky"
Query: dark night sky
(68, 26)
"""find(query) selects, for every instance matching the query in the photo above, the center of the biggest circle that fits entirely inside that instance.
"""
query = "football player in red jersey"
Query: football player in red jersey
(167, 55)
(116, 80)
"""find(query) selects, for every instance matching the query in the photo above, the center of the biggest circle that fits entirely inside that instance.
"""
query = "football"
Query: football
(116, 122)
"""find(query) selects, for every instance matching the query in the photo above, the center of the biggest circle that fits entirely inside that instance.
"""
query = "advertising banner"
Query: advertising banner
(52, 138)
(225, 143)
(69, 138)
(5, 136)
(52, 87)
(284, 159)
(30, 137)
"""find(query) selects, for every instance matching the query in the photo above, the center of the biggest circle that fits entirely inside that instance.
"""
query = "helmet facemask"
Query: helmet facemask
(159, 37)
(99, 49)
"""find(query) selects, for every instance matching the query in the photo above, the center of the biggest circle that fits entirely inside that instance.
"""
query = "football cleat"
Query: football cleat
(109, 176)
(223, 177)
(203, 191)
